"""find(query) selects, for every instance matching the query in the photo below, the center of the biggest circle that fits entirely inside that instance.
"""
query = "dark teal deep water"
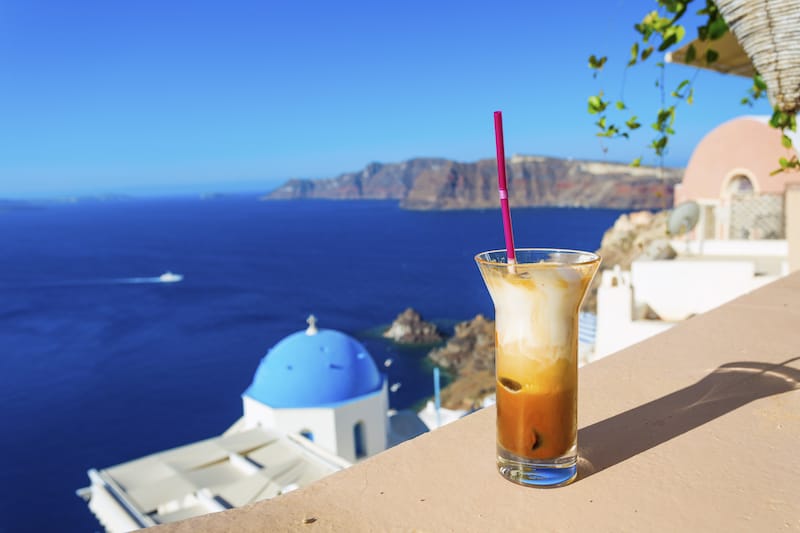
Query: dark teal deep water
(96, 370)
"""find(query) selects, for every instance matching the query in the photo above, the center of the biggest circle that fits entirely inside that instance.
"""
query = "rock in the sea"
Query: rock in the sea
(409, 328)
(471, 349)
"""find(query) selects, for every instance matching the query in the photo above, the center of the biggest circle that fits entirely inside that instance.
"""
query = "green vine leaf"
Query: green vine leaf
(781, 120)
(713, 28)
(717, 28)
(597, 104)
(597, 63)
(786, 165)
(672, 35)
(661, 30)
(634, 54)
(756, 91)
(691, 54)
(677, 92)
(659, 145)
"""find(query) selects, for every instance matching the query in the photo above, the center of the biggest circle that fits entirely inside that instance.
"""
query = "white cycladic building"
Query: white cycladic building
(317, 404)
(747, 233)
(655, 294)
(620, 321)
(234, 469)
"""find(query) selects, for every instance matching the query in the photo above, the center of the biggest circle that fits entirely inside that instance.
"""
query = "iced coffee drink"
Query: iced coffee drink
(536, 304)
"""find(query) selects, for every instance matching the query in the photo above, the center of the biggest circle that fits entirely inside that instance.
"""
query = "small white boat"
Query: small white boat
(395, 387)
(170, 277)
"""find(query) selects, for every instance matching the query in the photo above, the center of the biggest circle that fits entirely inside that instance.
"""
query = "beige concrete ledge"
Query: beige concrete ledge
(696, 429)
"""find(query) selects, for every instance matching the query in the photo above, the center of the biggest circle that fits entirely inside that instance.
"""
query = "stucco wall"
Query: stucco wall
(678, 289)
(370, 411)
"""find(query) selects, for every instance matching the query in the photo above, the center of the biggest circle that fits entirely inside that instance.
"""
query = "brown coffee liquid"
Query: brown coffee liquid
(537, 425)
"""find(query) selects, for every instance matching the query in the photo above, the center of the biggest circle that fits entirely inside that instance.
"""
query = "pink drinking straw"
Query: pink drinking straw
(503, 187)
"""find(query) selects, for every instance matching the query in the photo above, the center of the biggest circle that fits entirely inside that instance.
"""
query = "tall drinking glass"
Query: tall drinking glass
(536, 302)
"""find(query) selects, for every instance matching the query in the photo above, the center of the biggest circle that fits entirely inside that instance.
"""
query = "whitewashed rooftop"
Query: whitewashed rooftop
(220, 473)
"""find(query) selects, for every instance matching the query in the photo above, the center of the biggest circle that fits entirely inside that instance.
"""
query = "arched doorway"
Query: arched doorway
(359, 440)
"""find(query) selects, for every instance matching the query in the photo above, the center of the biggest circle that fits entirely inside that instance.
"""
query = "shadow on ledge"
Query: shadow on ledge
(729, 387)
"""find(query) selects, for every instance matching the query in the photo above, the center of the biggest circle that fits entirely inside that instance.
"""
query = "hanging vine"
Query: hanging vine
(661, 30)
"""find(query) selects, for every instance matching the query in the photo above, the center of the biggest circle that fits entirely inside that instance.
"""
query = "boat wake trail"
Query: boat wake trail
(166, 277)
(136, 280)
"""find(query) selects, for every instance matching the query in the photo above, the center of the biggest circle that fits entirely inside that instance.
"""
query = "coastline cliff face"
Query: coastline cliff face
(441, 184)
(377, 181)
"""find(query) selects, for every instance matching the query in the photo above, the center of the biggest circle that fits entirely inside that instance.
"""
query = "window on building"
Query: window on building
(739, 185)
(307, 434)
(359, 441)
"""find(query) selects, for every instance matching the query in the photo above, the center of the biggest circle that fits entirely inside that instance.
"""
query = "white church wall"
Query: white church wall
(370, 411)
(331, 428)
(320, 422)
(256, 413)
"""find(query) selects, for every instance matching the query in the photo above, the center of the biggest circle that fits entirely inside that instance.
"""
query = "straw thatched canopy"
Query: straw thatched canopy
(769, 34)
(732, 57)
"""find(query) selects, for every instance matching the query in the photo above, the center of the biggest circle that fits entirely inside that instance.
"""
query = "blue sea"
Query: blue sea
(101, 364)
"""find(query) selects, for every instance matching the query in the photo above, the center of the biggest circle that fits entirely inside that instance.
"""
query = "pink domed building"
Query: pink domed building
(728, 175)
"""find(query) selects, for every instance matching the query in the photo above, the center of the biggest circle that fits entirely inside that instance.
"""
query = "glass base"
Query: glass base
(544, 473)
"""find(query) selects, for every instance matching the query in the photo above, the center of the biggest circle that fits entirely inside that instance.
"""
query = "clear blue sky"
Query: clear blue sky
(102, 96)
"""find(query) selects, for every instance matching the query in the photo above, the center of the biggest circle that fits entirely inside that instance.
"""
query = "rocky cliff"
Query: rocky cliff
(469, 356)
(409, 328)
(634, 235)
(470, 349)
(427, 184)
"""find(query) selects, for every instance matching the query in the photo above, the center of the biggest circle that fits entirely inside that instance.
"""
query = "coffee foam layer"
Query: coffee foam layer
(536, 310)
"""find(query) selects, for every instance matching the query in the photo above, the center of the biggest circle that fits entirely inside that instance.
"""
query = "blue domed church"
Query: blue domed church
(319, 384)
(324, 385)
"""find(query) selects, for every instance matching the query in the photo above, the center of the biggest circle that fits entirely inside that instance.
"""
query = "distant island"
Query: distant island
(442, 184)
